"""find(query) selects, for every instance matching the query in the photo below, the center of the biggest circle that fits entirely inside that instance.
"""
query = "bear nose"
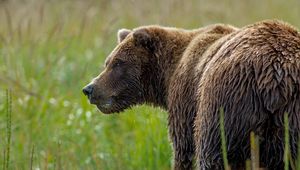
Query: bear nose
(88, 90)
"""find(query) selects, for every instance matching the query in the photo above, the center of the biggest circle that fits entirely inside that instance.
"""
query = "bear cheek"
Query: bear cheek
(112, 83)
(103, 88)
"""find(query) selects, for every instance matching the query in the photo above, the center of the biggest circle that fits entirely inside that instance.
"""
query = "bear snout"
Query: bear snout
(97, 96)
(88, 90)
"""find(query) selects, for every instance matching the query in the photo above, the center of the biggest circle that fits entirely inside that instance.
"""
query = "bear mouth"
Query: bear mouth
(110, 106)
(106, 106)
(109, 109)
(104, 109)
(113, 105)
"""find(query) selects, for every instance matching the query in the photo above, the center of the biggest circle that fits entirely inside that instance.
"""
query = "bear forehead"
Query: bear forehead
(125, 49)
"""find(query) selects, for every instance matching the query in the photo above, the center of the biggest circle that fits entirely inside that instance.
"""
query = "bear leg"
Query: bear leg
(181, 133)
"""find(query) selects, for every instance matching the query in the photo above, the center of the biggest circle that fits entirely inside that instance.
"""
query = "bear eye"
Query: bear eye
(117, 63)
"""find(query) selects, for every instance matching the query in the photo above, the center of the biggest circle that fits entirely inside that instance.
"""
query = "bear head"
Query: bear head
(121, 85)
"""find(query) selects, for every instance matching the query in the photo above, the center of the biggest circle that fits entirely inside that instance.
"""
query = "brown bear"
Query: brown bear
(252, 72)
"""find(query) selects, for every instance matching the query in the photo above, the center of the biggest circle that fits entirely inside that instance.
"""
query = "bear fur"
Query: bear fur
(252, 72)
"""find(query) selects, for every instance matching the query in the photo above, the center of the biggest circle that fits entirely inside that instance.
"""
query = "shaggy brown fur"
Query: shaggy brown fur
(182, 100)
(253, 72)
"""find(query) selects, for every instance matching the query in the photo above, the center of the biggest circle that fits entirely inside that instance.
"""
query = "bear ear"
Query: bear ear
(122, 34)
(142, 38)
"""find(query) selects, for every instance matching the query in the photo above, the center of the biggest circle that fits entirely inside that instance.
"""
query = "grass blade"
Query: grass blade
(31, 158)
(286, 142)
(8, 126)
(248, 164)
(223, 139)
(298, 156)
(254, 144)
(4, 159)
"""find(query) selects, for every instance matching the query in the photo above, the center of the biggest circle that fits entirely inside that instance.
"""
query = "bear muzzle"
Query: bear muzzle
(97, 98)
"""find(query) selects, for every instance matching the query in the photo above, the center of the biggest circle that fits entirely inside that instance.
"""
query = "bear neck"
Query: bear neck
(163, 64)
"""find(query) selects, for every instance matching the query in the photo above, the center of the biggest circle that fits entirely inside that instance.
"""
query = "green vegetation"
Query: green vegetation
(222, 129)
(50, 49)
(286, 142)
(6, 154)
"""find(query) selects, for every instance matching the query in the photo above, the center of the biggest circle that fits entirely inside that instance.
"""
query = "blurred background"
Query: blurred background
(49, 49)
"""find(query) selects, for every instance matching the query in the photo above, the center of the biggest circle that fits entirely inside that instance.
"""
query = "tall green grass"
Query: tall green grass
(223, 140)
(254, 147)
(6, 151)
(286, 142)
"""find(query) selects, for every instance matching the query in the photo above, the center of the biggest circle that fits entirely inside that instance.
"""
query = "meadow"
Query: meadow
(50, 49)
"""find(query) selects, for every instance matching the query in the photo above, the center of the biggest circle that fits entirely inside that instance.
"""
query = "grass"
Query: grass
(6, 155)
(286, 142)
(254, 145)
(50, 49)
(223, 141)
(46, 69)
